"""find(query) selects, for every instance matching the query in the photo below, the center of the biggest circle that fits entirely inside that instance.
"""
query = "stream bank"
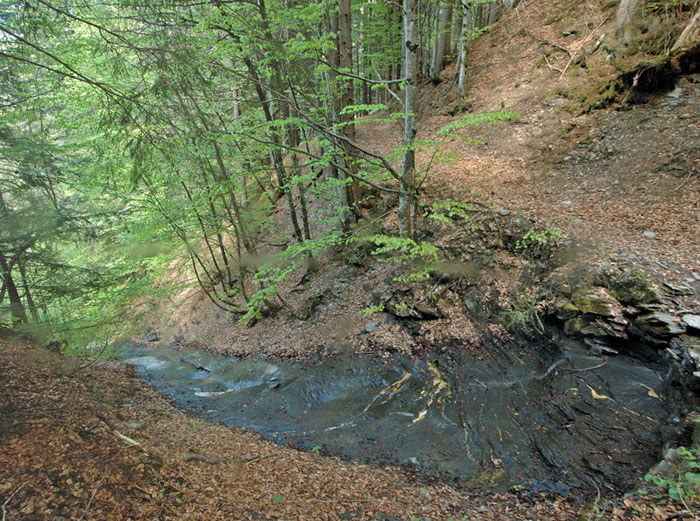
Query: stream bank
(545, 417)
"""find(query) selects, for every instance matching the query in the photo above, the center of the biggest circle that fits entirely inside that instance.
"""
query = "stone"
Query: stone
(590, 326)
(153, 337)
(503, 212)
(599, 301)
(649, 235)
(675, 93)
(660, 324)
(678, 290)
(692, 321)
(565, 309)
(369, 327)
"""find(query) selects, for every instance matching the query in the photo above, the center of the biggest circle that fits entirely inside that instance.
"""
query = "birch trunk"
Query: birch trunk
(462, 77)
(626, 12)
(406, 186)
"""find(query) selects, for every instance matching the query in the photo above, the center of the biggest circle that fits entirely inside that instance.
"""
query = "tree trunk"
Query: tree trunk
(345, 63)
(690, 37)
(27, 292)
(435, 40)
(406, 185)
(19, 314)
(445, 30)
(626, 12)
(463, 47)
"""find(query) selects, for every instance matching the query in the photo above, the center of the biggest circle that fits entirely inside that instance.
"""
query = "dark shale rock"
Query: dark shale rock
(660, 325)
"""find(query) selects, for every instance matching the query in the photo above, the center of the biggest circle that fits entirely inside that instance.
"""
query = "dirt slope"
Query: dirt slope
(606, 176)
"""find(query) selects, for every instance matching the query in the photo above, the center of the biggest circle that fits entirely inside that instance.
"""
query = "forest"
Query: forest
(350, 259)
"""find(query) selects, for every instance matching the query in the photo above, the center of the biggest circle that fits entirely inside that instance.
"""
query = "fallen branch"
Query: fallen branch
(193, 456)
(124, 438)
(7, 501)
(94, 492)
(605, 361)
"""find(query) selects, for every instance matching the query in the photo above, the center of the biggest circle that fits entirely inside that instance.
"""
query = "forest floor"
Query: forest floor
(83, 441)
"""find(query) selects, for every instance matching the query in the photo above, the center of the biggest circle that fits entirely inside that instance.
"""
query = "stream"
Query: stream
(542, 418)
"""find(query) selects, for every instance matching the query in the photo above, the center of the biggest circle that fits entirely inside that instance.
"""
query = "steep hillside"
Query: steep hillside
(617, 169)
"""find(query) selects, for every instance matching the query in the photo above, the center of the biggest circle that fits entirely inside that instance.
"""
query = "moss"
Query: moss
(594, 96)
(588, 301)
(633, 288)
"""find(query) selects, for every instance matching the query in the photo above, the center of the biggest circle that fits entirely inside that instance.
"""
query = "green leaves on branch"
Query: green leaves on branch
(471, 120)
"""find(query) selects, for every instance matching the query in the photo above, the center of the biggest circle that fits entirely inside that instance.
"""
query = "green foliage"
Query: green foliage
(684, 485)
(522, 314)
(539, 243)
(471, 120)
(419, 256)
(449, 211)
(371, 310)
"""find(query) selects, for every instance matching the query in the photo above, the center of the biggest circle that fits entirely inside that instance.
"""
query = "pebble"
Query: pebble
(503, 212)
(369, 327)
(650, 235)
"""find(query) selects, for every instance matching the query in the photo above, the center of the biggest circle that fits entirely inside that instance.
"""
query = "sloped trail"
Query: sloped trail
(625, 184)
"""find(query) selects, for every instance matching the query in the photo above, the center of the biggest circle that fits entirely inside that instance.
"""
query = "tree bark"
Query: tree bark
(27, 291)
(690, 37)
(19, 314)
(406, 185)
(626, 12)
(462, 59)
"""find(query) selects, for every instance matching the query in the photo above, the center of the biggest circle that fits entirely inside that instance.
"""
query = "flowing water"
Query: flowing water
(544, 419)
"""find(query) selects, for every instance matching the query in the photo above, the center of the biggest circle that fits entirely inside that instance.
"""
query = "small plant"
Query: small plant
(448, 211)
(421, 256)
(522, 314)
(539, 243)
(471, 120)
(371, 310)
(684, 484)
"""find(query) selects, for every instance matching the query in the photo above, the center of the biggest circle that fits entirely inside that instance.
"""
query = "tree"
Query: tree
(407, 182)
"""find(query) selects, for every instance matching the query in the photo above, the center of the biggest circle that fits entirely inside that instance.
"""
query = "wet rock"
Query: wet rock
(591, 326)
(564, 309)
(598, 301)
(660, 325)
(634, 289)
(692, 321)
(600, 347)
